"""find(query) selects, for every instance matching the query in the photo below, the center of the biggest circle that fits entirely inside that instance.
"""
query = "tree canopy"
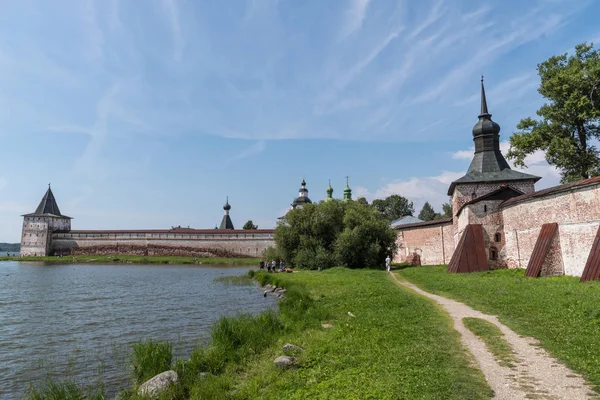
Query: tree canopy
(393, 207)
(250, 225)
(569, 119)
(427, 213)
(447, 208)
(335, 233)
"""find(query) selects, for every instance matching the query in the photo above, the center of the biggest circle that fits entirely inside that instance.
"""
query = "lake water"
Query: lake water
(81, 320)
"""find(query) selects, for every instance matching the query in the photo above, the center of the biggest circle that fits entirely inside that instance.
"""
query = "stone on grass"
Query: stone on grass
(292, 348)
(156, 385)
(326, 326)
(352, 315)
(285, 361)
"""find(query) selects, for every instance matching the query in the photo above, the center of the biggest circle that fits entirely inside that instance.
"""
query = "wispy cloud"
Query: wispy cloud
(252, 150)
(354, 18)
(172, 11)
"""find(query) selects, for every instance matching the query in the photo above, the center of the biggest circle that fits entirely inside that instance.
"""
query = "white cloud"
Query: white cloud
(432, 189)
(353, 21)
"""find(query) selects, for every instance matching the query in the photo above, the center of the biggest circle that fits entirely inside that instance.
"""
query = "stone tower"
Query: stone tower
(488, 170)
(36, 237)
(226, 221)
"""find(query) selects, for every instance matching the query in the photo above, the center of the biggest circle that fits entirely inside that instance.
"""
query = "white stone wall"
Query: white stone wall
(239, 244)
(577, 213)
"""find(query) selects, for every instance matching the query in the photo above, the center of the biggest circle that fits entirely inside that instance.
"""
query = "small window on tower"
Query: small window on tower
(493, 253)
(485, 208)
(497, 237)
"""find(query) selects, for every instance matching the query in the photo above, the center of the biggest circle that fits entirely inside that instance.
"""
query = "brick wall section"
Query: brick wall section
(577, 213)
(234, 244)
(434, 243)
(464, 193)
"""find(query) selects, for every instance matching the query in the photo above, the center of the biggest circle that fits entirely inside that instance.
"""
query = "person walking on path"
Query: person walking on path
(387, 263)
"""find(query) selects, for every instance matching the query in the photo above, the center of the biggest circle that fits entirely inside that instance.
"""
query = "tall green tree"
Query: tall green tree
(569, 120)
(393, 207)
(427, 213)
(250, 225)
(447, 207)
(362, 200)
(335, 233)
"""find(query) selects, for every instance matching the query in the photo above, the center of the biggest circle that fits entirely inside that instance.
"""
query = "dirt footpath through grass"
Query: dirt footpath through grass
(535, 374)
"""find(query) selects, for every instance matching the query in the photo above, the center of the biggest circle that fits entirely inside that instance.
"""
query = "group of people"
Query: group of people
(271, 266)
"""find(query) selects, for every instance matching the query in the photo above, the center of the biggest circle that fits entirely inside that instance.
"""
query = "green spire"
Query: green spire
(347, 191)
(329, 192)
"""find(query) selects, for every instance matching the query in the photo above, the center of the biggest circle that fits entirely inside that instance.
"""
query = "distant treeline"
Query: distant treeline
(10, 247)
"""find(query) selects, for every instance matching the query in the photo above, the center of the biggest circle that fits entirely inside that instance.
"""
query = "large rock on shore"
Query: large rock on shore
(291, 348)
(285, 361)
(156, 385)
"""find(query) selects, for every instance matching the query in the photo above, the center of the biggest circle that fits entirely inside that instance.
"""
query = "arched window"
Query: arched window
(493, 253)
(497, 237)
(485, 208)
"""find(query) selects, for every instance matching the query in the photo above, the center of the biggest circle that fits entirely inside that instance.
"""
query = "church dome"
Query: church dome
(227, 207)
(485, 126)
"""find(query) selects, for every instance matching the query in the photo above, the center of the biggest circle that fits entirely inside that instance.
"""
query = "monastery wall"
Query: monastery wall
(240, 244)
(433, 243)
(577, 212)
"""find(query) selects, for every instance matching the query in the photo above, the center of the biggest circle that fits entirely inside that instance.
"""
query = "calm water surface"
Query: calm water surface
(81, 320)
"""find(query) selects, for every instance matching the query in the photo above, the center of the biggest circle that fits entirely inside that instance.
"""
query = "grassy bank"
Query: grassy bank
(559, 311)
(395, 344)
(128, 259)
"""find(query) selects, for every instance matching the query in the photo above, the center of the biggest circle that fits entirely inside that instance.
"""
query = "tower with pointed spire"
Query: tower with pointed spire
(329, 192)
(302, 196)
(38, 226)
(488, 170)
(226, 221)
(347, 191)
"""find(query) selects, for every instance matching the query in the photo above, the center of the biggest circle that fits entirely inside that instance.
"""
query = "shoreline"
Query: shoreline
(130, 259)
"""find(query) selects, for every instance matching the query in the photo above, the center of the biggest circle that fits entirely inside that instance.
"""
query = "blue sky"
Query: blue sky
(149, 116)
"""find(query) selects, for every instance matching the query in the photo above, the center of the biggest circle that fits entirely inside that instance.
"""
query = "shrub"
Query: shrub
(335, 233)
(150, 358)
(66, 390)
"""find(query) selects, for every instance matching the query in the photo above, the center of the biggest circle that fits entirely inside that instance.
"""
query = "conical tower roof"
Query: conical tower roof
(47, 206)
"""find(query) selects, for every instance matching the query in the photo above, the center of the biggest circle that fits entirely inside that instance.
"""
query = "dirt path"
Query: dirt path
(535, 376)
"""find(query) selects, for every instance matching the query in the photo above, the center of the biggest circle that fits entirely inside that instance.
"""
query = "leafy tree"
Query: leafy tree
(570, 119)
(335, 233)
(362, 200)
(427, 213)
(393, 207)
(250, 225)
(447, 207)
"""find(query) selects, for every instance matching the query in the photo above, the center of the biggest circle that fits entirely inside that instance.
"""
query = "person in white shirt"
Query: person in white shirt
(387, 263)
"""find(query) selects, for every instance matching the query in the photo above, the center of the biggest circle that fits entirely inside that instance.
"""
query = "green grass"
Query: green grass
(150, 358)
(120, 258)
(562, 313)
(494, 340)
(398, 345)
(63, 390)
